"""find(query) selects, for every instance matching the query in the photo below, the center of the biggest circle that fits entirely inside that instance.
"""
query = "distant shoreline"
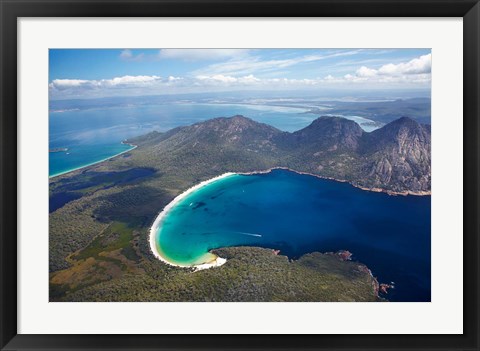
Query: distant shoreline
(375, 190)
(94, 163)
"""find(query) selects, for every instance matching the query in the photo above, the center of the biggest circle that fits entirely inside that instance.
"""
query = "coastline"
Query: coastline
(375, 190)
(218, 261)
(94, 163)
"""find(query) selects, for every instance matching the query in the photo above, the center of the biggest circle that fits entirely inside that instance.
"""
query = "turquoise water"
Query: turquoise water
(79, 156)
(299, 214)
(94, 134)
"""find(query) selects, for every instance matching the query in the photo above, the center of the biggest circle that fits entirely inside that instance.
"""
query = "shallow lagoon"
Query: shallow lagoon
(299, 214)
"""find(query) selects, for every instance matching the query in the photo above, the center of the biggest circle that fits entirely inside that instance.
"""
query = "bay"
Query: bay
(298, 214)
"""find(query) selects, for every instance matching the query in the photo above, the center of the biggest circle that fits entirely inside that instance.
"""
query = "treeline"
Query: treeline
(250, 274)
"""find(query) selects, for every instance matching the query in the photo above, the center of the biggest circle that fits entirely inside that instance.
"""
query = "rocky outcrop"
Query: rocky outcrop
(399, 154)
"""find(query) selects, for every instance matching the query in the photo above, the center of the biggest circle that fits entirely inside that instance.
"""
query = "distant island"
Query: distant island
(101, 215)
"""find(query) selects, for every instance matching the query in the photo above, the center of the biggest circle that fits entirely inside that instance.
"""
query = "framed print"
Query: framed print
(218, 175)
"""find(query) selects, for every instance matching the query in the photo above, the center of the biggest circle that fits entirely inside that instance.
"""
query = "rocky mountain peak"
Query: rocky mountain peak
(330, 132)
(400, 154)
(404, 133)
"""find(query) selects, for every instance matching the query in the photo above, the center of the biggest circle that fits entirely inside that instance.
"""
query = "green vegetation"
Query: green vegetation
(112, 254)
(250, 274)
(99, 247)
(116, 236)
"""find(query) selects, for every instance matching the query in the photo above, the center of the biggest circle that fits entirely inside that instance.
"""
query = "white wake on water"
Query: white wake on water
(250, 234)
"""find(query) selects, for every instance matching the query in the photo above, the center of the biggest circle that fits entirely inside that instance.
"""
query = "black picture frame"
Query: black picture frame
(12, 10)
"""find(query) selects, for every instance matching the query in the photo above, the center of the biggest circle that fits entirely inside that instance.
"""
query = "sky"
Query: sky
(93, 73)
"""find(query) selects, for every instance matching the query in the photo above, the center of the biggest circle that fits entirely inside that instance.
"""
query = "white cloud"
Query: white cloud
(68, 83)
(125, 81)
(366, 72)
(249, 79)
(420, 65)
(184, 54)
(254, 64)
(414, 73)
(128, 80)
(173, 79)
(220, 78)
(217, 78)
(201, 54)
(127, 55)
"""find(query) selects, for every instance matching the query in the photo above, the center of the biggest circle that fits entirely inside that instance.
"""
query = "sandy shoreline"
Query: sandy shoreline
(94, 163)
(218, 261)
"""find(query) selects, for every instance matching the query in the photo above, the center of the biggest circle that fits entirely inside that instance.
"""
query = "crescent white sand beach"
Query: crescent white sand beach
(216, 261)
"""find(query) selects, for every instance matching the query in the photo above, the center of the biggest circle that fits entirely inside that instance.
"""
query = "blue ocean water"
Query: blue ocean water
(80, 155)
(92, 135)
(299, 214)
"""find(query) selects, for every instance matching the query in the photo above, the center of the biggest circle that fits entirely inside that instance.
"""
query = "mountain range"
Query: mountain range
(395, 158)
